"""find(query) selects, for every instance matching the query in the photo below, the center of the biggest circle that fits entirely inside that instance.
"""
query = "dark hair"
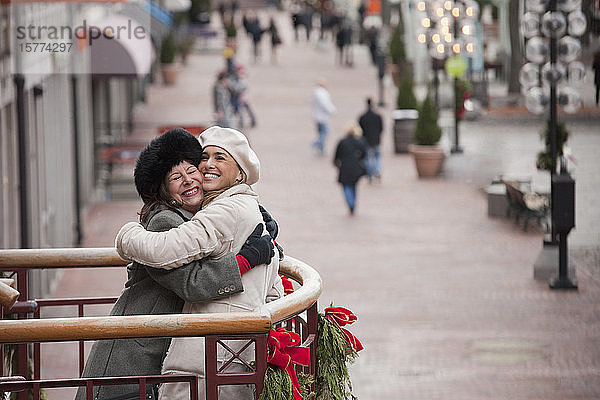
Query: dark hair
(154, 163)
(161, 199)
(369, 101)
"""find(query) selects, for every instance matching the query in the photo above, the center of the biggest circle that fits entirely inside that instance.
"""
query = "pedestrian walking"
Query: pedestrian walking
(596, 67)
(238, 91)
(296, 15)
(222, 106)
(371, 124)
(234, 8)
(221, 10)
(256, 33)
(275, 40)
(350, 157)
(343, 41)
(322, 109)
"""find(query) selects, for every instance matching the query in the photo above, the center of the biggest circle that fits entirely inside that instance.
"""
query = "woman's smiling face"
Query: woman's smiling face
(219, 169)
(184, 184)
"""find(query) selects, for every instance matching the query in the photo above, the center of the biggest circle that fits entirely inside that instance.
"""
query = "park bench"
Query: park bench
(526, 205)
(23, 328)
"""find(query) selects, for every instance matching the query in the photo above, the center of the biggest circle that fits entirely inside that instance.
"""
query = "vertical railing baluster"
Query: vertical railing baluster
(260, 346)
(210, 366)
(312, 320)
(36, 391)
(22, 356)
(142, 387)
(81, 344)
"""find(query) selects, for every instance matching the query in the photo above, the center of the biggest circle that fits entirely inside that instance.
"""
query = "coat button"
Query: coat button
(220, 291)
(232, 287)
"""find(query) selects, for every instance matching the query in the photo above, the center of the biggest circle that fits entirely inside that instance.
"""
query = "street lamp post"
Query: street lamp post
(552, 53)
(448, 28)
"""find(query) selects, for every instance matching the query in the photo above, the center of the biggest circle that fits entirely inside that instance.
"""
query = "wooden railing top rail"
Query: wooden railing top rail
(303, 297)
(133, 326)
(92, 328)
(16, 259)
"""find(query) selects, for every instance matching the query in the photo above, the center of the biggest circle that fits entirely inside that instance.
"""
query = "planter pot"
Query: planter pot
(398, 70)
(404, 128)
(428, 160)
(169, 73)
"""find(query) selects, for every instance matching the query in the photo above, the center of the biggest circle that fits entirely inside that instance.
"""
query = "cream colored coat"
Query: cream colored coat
(220, 228)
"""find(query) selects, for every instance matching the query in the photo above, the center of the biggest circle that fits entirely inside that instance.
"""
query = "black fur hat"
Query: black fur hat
(162, 154)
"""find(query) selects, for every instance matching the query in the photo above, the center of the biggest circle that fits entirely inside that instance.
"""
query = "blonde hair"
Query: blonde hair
(354, 129)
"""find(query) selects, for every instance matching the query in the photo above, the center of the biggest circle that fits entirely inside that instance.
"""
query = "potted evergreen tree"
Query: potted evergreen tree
(405, 115)
(185, 46)
(428, 156)
(168, 51)
(399, 65)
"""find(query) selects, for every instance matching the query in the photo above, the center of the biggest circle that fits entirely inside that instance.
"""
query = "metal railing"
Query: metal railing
(29, 328)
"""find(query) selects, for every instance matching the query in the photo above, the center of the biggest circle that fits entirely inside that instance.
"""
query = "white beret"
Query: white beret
(236, 144)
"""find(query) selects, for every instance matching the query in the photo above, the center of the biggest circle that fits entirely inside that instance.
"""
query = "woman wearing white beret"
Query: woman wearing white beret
(229, 214)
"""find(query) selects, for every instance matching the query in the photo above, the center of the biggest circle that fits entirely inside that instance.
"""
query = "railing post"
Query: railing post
(261, 363)
(210, 366)
(22, 356)
(312, 316)
(81, 344)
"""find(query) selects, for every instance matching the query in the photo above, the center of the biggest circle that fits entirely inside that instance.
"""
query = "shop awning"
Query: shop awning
(177, 5)
(150, 15)
(123, 49)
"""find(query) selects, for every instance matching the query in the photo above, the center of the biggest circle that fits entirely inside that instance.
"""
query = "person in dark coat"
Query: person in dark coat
(343, 40)
(596, 67)
(275, 40)
(371, 124)
(349, 158)
(158, 291)
(256, 33)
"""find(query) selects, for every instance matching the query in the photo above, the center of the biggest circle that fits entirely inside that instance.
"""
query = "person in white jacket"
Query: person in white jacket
(322, 109)
(229, 214)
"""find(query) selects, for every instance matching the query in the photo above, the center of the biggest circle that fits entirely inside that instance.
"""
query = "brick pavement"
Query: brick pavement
(445, 295)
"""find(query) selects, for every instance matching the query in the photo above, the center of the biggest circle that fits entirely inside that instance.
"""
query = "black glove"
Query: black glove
(258, 249)
(270, 223)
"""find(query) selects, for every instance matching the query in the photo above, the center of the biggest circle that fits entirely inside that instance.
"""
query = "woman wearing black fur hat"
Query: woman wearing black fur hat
(166, 178)
(231, 211)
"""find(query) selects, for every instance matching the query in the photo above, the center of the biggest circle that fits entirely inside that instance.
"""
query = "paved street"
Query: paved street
(445, 297)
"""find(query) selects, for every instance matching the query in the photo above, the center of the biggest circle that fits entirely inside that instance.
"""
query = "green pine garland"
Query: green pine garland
(278, 385)
(334, 354)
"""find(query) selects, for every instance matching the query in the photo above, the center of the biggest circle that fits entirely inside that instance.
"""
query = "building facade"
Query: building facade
(58, 113)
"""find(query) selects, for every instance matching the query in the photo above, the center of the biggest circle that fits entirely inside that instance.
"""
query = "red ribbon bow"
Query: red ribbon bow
(341, 316)
(285, 351)
(287, 285)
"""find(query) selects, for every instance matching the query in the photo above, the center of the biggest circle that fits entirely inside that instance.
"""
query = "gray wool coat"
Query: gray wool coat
(156, 291)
